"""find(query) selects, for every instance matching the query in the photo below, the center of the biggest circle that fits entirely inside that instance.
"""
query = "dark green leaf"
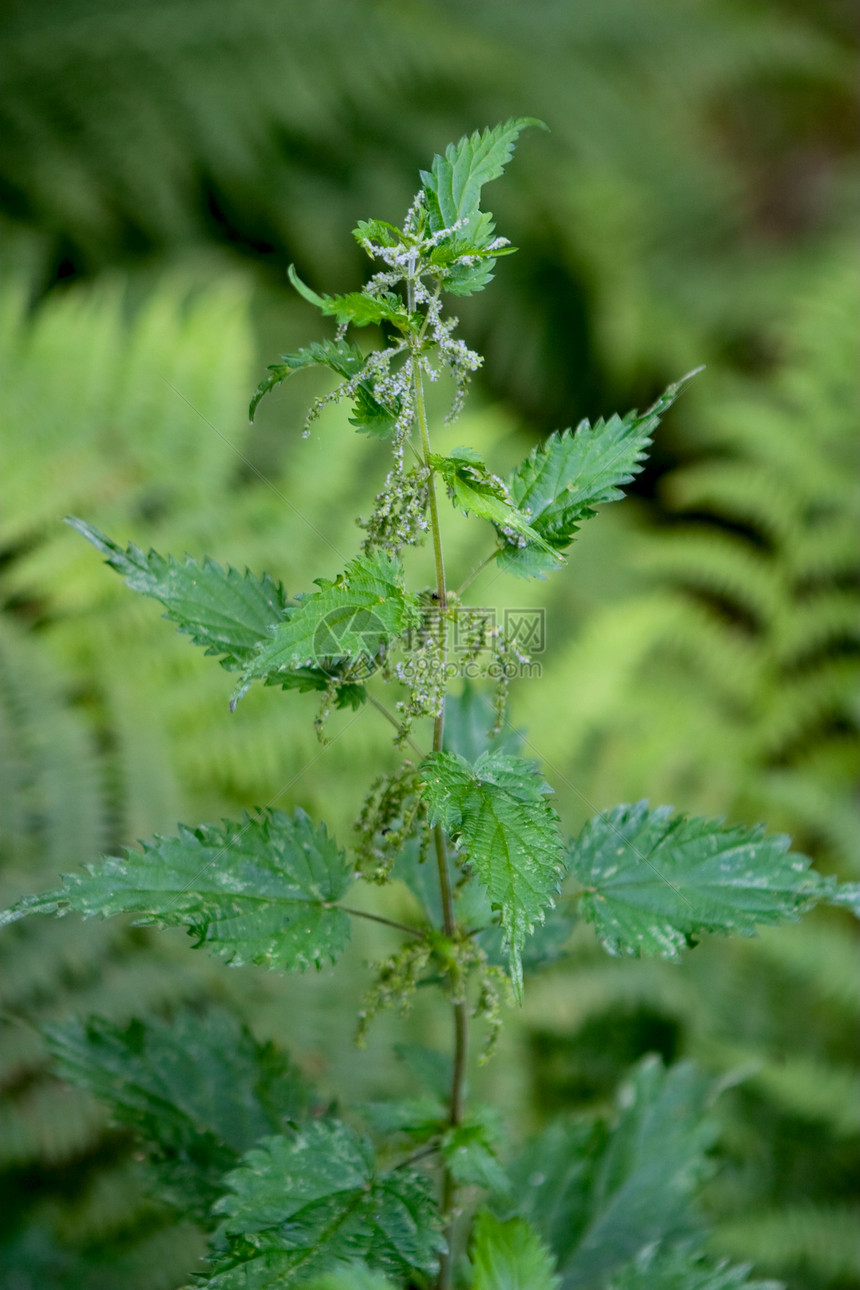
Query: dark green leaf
(498, 816)
(347, 694)
(345, 359)
(682, 1269)
(655, 880)
(364, 609)
(312, 1200)
(510, 1256)
(256, 892)
(370, 416)
(561, 482)
(600, 1192)
(199, 1090)
(227, 612)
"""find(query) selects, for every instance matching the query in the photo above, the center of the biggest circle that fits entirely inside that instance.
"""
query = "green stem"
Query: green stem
(375, 918)
(461, 1015)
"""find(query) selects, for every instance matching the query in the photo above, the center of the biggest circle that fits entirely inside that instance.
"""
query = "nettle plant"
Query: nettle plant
(428, 1191)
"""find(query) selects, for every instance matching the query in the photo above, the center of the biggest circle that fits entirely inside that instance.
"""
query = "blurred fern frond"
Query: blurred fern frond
(56, 813)
(731, 686)
(126, 129)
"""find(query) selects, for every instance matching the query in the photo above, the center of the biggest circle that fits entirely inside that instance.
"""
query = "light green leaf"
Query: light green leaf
(199, 1090)
(256, 892)
(312, 1200)
(510, 1256)
(453, 184)
(497, 814)
(356, 307)
(378, 231)
(354, 616)
(452, 190)
(655, 880)
(227, 612)
(601, 1192)
(477, 492)
(344, 359)
(561, 482)
(682, 1269)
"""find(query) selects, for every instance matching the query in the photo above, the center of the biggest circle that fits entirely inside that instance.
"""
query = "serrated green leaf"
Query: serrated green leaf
(354, 616)
(658, 1269)
(454, 182)
(376, 230)
(452, 191)
(469, 1151)
(347, 694)
(476, 491)
(199, 1090)
(497, 814)
(510, 1256)
(257, 892)
(312, 1200)
(338, 355)
(451, 249)
(655, 880)
(227, 612)
(356, 307)
(370, 416)
(600, 1192)
(561, 482)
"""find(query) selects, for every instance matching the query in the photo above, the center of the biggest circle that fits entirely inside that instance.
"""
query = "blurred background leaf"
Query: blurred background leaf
(160, 166)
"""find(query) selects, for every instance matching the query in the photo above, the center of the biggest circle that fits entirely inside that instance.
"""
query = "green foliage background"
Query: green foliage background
(160, 165)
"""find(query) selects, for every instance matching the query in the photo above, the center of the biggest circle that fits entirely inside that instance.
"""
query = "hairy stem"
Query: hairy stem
(461, 1016)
